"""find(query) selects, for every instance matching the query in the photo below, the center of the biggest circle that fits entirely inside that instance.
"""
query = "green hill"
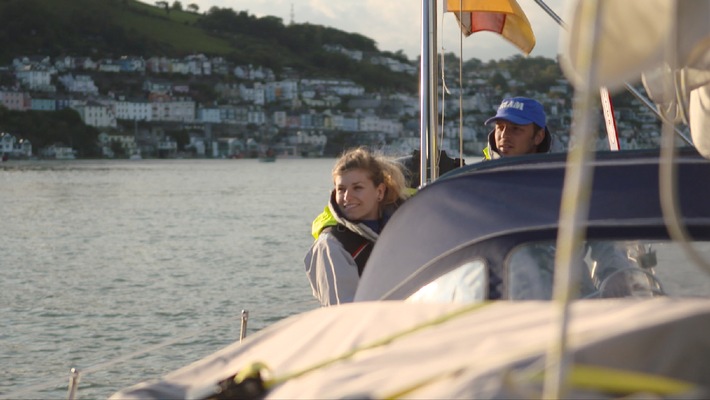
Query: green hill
(112, 28)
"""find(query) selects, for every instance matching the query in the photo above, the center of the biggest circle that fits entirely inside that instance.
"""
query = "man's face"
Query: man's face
(516, 140)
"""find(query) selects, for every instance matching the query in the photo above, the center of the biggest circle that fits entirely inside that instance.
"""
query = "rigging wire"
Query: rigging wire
(460, 92)
(445, 88)
(444, 92)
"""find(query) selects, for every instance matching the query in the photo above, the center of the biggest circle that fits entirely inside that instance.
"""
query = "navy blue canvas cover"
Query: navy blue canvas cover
(495, 204)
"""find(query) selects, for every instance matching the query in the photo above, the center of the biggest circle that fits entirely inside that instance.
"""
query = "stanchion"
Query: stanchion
(73, 384)
(243, 330)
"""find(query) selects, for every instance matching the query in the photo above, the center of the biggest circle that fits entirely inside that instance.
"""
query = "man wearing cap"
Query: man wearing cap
(520, 128)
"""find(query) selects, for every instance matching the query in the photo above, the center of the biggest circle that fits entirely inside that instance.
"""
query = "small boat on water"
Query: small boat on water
(268, 155)
(266, 158)
(515, 278)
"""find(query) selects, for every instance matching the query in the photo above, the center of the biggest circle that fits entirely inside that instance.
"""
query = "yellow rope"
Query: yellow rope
(251, 371)
(580, 376)
(620, 381)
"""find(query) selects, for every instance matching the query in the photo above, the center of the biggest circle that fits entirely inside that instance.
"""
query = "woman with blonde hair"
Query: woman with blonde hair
(368, 188)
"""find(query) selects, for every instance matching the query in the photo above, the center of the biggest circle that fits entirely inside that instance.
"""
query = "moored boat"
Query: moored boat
(268, 155)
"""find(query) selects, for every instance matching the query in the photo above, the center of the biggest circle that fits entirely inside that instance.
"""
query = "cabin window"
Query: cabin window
(465, 284)
(610, 269)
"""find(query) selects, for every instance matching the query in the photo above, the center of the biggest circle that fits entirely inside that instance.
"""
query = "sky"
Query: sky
(394, 25)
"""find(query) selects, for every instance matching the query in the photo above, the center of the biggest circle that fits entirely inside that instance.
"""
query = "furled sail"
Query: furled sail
(504, 17)
(632, 43)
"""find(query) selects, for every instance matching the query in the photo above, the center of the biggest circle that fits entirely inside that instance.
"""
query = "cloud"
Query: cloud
(333, 11)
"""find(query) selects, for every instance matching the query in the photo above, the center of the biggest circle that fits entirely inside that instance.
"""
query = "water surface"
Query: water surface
(102, 260)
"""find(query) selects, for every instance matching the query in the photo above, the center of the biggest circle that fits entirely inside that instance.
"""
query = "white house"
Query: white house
(182, 110)
(257, 117)
(283, 90)
(279, 118)
(127, 143)
(179, 67)
(340, 87)
(79, 84)
(95, 114)
(7, 143)
(394, 65)
(158, 64)
(108, 65)
(131, 64)
(373, 123)
(138, 110)
(59, 151)
(209, 115)
(34, 79)
(14, 148)
(155, 86)
(253, 94)
(198, 64)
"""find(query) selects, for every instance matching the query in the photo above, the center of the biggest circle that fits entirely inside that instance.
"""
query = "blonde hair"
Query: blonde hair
(380, 170)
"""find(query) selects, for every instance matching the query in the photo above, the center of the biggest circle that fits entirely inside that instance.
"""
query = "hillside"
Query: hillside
(112, 28)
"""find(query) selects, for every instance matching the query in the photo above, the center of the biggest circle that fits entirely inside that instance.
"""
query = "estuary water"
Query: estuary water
(127, 270)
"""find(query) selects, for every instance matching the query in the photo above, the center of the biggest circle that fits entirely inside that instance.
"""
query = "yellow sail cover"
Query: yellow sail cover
(504, 17)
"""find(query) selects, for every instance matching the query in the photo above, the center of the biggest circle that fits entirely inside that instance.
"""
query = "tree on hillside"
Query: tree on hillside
(177, 5)
(399, 54)
(164, 4)
(193, 7)
(227, 20)
(499, 82)
(45, 128)
(473, 64)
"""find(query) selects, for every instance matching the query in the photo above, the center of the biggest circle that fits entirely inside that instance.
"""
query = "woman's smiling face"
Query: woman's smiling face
(357, 196)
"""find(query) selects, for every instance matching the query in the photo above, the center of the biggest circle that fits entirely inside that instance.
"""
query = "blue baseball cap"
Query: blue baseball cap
(520, 110)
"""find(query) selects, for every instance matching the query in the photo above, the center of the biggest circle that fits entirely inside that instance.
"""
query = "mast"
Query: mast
(428, 82)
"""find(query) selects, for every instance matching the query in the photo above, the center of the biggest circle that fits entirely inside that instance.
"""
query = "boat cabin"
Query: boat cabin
(488, 232)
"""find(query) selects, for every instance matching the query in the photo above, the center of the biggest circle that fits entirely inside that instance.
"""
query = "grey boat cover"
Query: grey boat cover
(492, 350)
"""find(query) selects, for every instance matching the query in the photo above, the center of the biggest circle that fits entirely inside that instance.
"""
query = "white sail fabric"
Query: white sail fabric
(633, 41)
(699, 112)
(629, 40)
(481, 353)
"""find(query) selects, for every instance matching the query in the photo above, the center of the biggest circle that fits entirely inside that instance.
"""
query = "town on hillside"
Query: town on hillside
(206, 107)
